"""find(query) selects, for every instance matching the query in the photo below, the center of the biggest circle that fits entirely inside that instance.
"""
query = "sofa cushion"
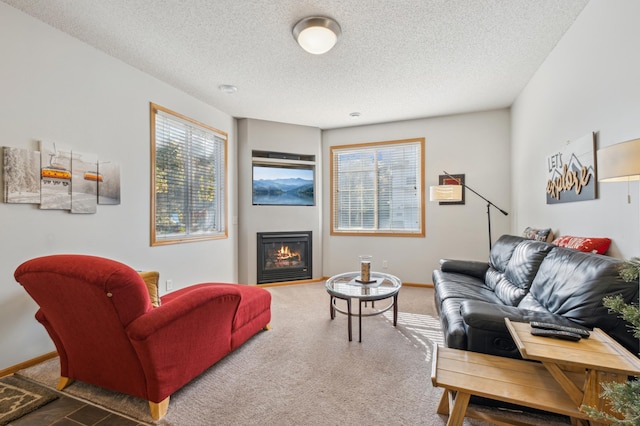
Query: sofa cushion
(586, 244)
(502, 250)
(499, 257)
(455, 285)
(520, 271)
(572, 284)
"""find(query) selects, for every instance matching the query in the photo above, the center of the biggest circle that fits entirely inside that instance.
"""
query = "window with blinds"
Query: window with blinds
(188, 179)
(376, 188)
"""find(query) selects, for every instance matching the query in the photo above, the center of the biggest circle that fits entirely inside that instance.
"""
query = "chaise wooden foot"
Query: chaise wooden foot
(267, 327)
(159, 409)
(63, 382)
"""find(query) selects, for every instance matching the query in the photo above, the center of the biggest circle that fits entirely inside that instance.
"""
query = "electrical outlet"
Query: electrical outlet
(169, 285)
(385, 264)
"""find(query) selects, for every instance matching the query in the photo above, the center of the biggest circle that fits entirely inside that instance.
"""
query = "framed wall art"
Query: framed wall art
(452, 180)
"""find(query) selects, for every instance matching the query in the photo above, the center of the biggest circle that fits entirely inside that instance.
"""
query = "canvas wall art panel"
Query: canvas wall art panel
(84, 182)
(55, 182)
(109, 183)
(21, 175)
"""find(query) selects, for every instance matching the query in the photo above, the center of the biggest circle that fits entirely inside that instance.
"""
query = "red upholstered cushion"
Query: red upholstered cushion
(586, 244)
(254, 311)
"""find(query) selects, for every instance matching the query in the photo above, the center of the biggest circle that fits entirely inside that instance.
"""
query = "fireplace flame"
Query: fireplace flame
(286, 255)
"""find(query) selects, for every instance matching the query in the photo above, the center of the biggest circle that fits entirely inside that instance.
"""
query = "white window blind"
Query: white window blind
(189, 179)
(377, 188)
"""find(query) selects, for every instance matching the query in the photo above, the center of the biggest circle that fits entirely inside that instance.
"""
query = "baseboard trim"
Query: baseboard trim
(417, 285)
(26, 364)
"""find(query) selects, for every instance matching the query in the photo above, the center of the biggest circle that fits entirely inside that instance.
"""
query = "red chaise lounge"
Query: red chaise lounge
(107, 333)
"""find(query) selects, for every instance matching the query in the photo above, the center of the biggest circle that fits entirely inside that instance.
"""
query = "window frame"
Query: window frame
(222, 232)
(334, 150)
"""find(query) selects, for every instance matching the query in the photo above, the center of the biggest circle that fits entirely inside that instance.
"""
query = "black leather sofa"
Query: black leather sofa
(527, 280)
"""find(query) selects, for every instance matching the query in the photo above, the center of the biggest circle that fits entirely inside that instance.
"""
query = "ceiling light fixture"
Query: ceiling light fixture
(317, 34)
(228, 89)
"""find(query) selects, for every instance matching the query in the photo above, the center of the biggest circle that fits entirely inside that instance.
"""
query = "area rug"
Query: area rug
(304, 371)
(19, 397)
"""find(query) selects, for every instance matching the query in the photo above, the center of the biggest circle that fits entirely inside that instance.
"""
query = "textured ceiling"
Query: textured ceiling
(395, 60)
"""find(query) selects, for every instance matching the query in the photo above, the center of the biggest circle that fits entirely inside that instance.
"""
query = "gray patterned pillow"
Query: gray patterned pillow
(538, 234)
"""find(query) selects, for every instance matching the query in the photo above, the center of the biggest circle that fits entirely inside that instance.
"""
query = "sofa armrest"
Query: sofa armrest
(486, 329)
(184, 336)
(490, 316)
(468, 267)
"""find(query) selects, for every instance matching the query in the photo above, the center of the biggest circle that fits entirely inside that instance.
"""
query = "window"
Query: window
(376, 188)
(188, 179)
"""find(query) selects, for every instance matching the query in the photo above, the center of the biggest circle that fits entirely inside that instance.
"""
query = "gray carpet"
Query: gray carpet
(305, 371)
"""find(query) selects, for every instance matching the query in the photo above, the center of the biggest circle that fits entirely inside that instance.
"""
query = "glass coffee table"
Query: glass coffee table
(346, 287)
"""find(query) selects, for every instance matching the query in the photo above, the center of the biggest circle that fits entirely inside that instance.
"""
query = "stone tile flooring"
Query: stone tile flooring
(66, 411)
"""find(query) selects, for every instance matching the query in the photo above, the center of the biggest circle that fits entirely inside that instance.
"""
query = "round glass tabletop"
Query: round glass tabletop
(347, 285)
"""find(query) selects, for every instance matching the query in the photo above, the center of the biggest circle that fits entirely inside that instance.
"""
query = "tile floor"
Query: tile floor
(66, 411)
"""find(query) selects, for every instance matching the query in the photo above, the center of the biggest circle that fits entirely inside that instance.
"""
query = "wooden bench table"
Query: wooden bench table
(525, 383)
(599, 358)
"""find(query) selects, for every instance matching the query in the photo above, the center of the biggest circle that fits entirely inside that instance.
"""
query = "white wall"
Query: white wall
(278, 137)
(475, 144)
(56, 88)
(590, 82)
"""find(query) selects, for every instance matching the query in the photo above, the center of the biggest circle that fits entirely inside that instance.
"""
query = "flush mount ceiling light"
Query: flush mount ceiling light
(316, 34)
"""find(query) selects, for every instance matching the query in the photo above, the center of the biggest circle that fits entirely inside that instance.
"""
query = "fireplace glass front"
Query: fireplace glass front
(284, 256)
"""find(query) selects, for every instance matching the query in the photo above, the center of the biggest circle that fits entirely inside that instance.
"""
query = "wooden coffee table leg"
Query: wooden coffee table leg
(443, 405)
(460, 404)
(455, 405)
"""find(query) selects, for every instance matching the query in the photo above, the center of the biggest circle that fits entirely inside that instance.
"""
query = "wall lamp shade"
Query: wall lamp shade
(619, 162)
(316, 34)
(445, 193)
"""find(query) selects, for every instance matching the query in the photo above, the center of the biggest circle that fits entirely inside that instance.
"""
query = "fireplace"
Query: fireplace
(284, 256)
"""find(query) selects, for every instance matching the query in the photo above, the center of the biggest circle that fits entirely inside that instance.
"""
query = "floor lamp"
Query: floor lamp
(454, 193)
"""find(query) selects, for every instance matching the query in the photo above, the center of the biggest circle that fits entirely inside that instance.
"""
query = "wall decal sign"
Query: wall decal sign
(571, 172)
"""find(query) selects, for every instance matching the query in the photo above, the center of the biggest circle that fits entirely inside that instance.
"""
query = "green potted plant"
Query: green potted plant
(623, 398)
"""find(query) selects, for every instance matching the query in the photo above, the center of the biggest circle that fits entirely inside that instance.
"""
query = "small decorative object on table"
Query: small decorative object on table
(365, 270)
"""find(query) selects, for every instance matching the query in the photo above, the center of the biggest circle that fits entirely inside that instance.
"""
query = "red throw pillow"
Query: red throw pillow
(586, 244)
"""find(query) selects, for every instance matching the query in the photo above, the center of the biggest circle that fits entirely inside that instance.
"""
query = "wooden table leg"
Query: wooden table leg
(443, 405)
(457, 412)
(569, 387)
(453, 404)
